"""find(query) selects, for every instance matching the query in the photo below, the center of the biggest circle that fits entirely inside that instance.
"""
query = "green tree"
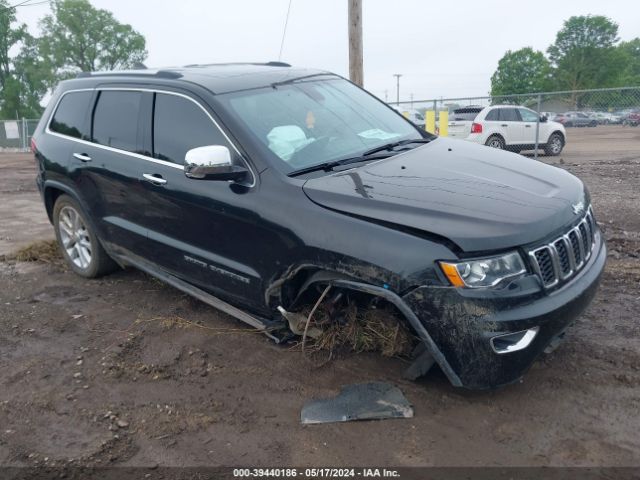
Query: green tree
(631, 53)
(22, 74)
(585, 55)
(78, 37)
(521, 71)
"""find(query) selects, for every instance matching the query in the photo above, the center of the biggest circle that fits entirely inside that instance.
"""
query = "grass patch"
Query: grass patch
(45, 251)
(363, 329)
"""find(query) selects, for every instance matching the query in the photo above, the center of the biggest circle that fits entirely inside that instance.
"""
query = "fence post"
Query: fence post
(535, 155)
(24, 134)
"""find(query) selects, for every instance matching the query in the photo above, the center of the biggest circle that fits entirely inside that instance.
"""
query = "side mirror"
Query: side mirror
(212, 162)
(543, 118)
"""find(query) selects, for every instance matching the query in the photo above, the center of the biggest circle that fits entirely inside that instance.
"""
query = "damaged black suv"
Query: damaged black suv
(251, 185)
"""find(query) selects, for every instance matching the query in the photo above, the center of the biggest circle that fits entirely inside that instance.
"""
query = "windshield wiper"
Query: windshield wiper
(377, 153)
(327, 166)
(392, 145)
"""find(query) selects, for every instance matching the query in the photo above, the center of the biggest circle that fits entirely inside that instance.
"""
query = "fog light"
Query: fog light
(512, 342)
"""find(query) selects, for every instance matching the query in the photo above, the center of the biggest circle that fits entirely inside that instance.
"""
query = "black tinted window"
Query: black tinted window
(115, 120)
(70, 116)
(493, 115)
(180, 125)
(509, 115)
(465, 114)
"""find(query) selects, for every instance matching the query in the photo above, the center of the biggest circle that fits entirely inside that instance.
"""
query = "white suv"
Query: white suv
(507, 127)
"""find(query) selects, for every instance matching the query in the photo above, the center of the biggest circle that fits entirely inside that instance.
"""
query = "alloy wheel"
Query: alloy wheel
(75, 237)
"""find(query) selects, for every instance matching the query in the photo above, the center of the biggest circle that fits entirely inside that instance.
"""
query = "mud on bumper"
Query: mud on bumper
(461, 323)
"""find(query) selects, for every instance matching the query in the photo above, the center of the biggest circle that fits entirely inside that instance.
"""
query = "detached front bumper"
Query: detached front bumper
(462, 322)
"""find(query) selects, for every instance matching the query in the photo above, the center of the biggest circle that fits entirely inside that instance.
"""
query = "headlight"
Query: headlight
(484, 272)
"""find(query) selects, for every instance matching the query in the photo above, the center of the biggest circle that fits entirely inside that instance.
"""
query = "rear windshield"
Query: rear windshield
(465, 114)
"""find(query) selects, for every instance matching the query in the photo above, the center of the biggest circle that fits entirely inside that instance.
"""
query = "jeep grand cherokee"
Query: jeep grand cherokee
(247, 185)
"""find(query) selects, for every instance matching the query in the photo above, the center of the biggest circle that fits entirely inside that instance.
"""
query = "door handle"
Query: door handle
(83, 157)
(527, 126)
(154, 178)
(504, 125)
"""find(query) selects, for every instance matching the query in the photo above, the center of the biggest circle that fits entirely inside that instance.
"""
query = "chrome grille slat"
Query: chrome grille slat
(579, 246)
(562, 258)
(571, 255)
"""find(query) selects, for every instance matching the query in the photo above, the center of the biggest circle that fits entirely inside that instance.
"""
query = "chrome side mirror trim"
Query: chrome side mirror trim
(212, 162)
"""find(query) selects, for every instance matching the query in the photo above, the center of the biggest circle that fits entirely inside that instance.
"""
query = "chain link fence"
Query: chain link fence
(15, 135)
(527, 122)
(520, 122)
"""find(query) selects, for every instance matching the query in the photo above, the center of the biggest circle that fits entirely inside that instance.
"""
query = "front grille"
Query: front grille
(565, 256)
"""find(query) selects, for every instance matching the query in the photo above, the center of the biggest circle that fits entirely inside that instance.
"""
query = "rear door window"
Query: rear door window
(509, 115)
(180, 125)
(70, 118)
(115, 119)
(493, 115)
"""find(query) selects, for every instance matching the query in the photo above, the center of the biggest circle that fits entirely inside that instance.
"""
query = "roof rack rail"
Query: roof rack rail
(278, 64)
(266, 64)
(168, 74)
(133, 73)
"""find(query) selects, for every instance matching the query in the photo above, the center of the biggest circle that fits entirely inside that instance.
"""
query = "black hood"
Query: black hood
(478, 197)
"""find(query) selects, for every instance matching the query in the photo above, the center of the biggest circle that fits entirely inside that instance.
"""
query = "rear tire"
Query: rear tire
(554, 145)
(495, 141)
(78, 242)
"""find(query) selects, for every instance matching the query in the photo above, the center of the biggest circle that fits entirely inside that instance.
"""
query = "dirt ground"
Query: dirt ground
(127, 371)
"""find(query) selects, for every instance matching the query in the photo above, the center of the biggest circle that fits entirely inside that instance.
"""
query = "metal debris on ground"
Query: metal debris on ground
(297, 323)
(365, 401)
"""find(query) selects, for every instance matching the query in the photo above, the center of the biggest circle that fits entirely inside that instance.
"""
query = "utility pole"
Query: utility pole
(356, 73)
(397, 75)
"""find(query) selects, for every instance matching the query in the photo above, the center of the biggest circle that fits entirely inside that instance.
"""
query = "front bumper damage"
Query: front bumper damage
(461, 323)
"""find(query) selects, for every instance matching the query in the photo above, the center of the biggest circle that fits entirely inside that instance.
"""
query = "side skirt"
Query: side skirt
(264, 325)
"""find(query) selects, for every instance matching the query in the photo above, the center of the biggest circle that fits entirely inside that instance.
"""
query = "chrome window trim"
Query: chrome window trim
(137, 155)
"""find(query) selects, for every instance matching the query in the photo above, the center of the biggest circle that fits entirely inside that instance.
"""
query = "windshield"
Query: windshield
(311, 122)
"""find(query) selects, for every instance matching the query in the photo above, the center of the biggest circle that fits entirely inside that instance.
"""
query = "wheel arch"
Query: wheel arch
(562, 136)
(308, 276)
(52, 190)
(495, 134)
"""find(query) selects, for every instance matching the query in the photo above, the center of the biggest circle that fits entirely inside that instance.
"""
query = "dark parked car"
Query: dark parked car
(576, 119)
(632, 118)
(253, 187)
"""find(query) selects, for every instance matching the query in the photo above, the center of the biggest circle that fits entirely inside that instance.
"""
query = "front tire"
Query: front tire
(554, 145)
(78, 242)
(495, 141)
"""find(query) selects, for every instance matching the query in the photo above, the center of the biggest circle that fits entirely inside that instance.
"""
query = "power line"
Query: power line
(36, 4)
(284, 32)
(25, 3)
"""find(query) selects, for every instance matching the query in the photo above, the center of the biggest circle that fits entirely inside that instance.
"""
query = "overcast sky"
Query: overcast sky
(442, 48)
